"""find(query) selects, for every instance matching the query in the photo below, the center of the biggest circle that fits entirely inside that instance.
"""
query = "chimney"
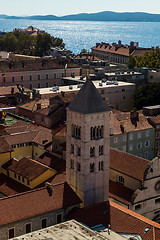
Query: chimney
(12, 90)
(119, 43)
(49, 187)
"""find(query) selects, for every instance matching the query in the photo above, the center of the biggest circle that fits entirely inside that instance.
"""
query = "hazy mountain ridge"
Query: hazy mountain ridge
(100, 16)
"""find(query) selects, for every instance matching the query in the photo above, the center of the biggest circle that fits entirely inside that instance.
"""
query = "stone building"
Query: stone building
(87, 157)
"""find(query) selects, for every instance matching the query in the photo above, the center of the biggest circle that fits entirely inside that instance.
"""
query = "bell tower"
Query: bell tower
(88, 146)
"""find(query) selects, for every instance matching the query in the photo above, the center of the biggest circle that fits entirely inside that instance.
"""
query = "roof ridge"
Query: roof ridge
(40, 163)
(30, 191)
(130, 212)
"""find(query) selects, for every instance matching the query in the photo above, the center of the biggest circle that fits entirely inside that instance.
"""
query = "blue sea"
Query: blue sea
(84, 34)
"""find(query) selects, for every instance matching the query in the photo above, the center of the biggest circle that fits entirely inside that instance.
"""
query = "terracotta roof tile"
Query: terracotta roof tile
(23, 137)
(128, 164)
(52, 161)
(117, 117)
(26, 167)
(119, 192)
(36, 202)
(4, 145)
(121, 220)
(9, 187)
(155, 120)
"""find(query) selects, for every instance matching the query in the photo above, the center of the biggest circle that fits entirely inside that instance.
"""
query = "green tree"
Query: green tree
(147, 95)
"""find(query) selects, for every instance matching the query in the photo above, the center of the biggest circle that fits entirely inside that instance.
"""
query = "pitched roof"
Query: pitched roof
(117, 118)
(88, 100)
(128, 164)
(36, 202)
(4, 146)
(155, 120)
(26, 167)
(9, 186)
(121, 220)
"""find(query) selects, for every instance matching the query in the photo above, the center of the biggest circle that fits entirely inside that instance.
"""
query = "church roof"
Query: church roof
(88, 100)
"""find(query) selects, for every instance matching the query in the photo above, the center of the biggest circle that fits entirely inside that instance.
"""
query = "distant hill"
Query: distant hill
(100, 16)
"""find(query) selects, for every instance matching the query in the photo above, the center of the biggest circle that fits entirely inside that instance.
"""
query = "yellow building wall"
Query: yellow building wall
(42, 178)
(5, 157)
(35, 182)
(20, 152)
(37, 151)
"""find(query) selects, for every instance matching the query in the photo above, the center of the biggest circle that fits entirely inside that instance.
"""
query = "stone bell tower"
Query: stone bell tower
(87, 159)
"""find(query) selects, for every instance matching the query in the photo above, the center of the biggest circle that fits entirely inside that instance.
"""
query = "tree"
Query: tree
(147, 95)
(84, 51)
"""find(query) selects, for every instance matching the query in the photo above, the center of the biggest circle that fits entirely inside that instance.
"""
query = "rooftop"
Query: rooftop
(128, 164)
(36, 202)
(75, 88)
(70, 230)
(26, 167)
(121, 220)
(4, 146)
(88, 100)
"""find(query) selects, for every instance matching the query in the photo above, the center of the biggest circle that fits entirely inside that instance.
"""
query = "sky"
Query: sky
(65, 7)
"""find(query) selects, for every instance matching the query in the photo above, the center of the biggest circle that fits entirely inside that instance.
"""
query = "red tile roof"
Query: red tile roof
(26, 167)
(52, 161)
(36, 202)
(117, 118)
(4, 145)
(155, 120)
(120, 193)
(128, 164)
(9, 187)
(121, 220)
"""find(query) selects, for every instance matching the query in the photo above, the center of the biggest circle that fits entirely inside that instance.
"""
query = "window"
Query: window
(124, 138)
(28, 183)
(4, 79)
(78, 167)
(55, 75)
(39, 77)
(91, 167)
(11, 233)
(19, 177)
(147, 143)
(138, 206)
(15, 175)
(120, 179)
(44, 223)
(28, 227)
(39, 85)
(12, 79)
(76, 132)
(102, 91)
(100, 166)
(47, 76)
(147, 133)
(62, 74)
(139, 134)
(124, 148)
(157, 134)
(72, 148)
(123, 89)
(131, 147)
(139, 145)
(100, 150)
(47, 85)
(78, 151)
(30, 86)
(109, 90)
(59, 218)
(30, 77)
(157, 144)
(157, 200)
(115, 140)
(21, 78)
(92, 151)
(96, 132)
(72, 164)
(131, 136)
(146, 154)
(23, 179)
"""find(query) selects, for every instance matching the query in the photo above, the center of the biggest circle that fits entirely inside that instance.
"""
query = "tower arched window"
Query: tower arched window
(92, 151)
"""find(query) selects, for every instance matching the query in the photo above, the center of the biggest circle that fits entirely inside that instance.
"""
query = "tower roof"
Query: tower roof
(88, 100)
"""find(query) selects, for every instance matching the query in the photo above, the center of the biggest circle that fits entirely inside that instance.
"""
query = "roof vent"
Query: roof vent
(100, 84)
(70, 87)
